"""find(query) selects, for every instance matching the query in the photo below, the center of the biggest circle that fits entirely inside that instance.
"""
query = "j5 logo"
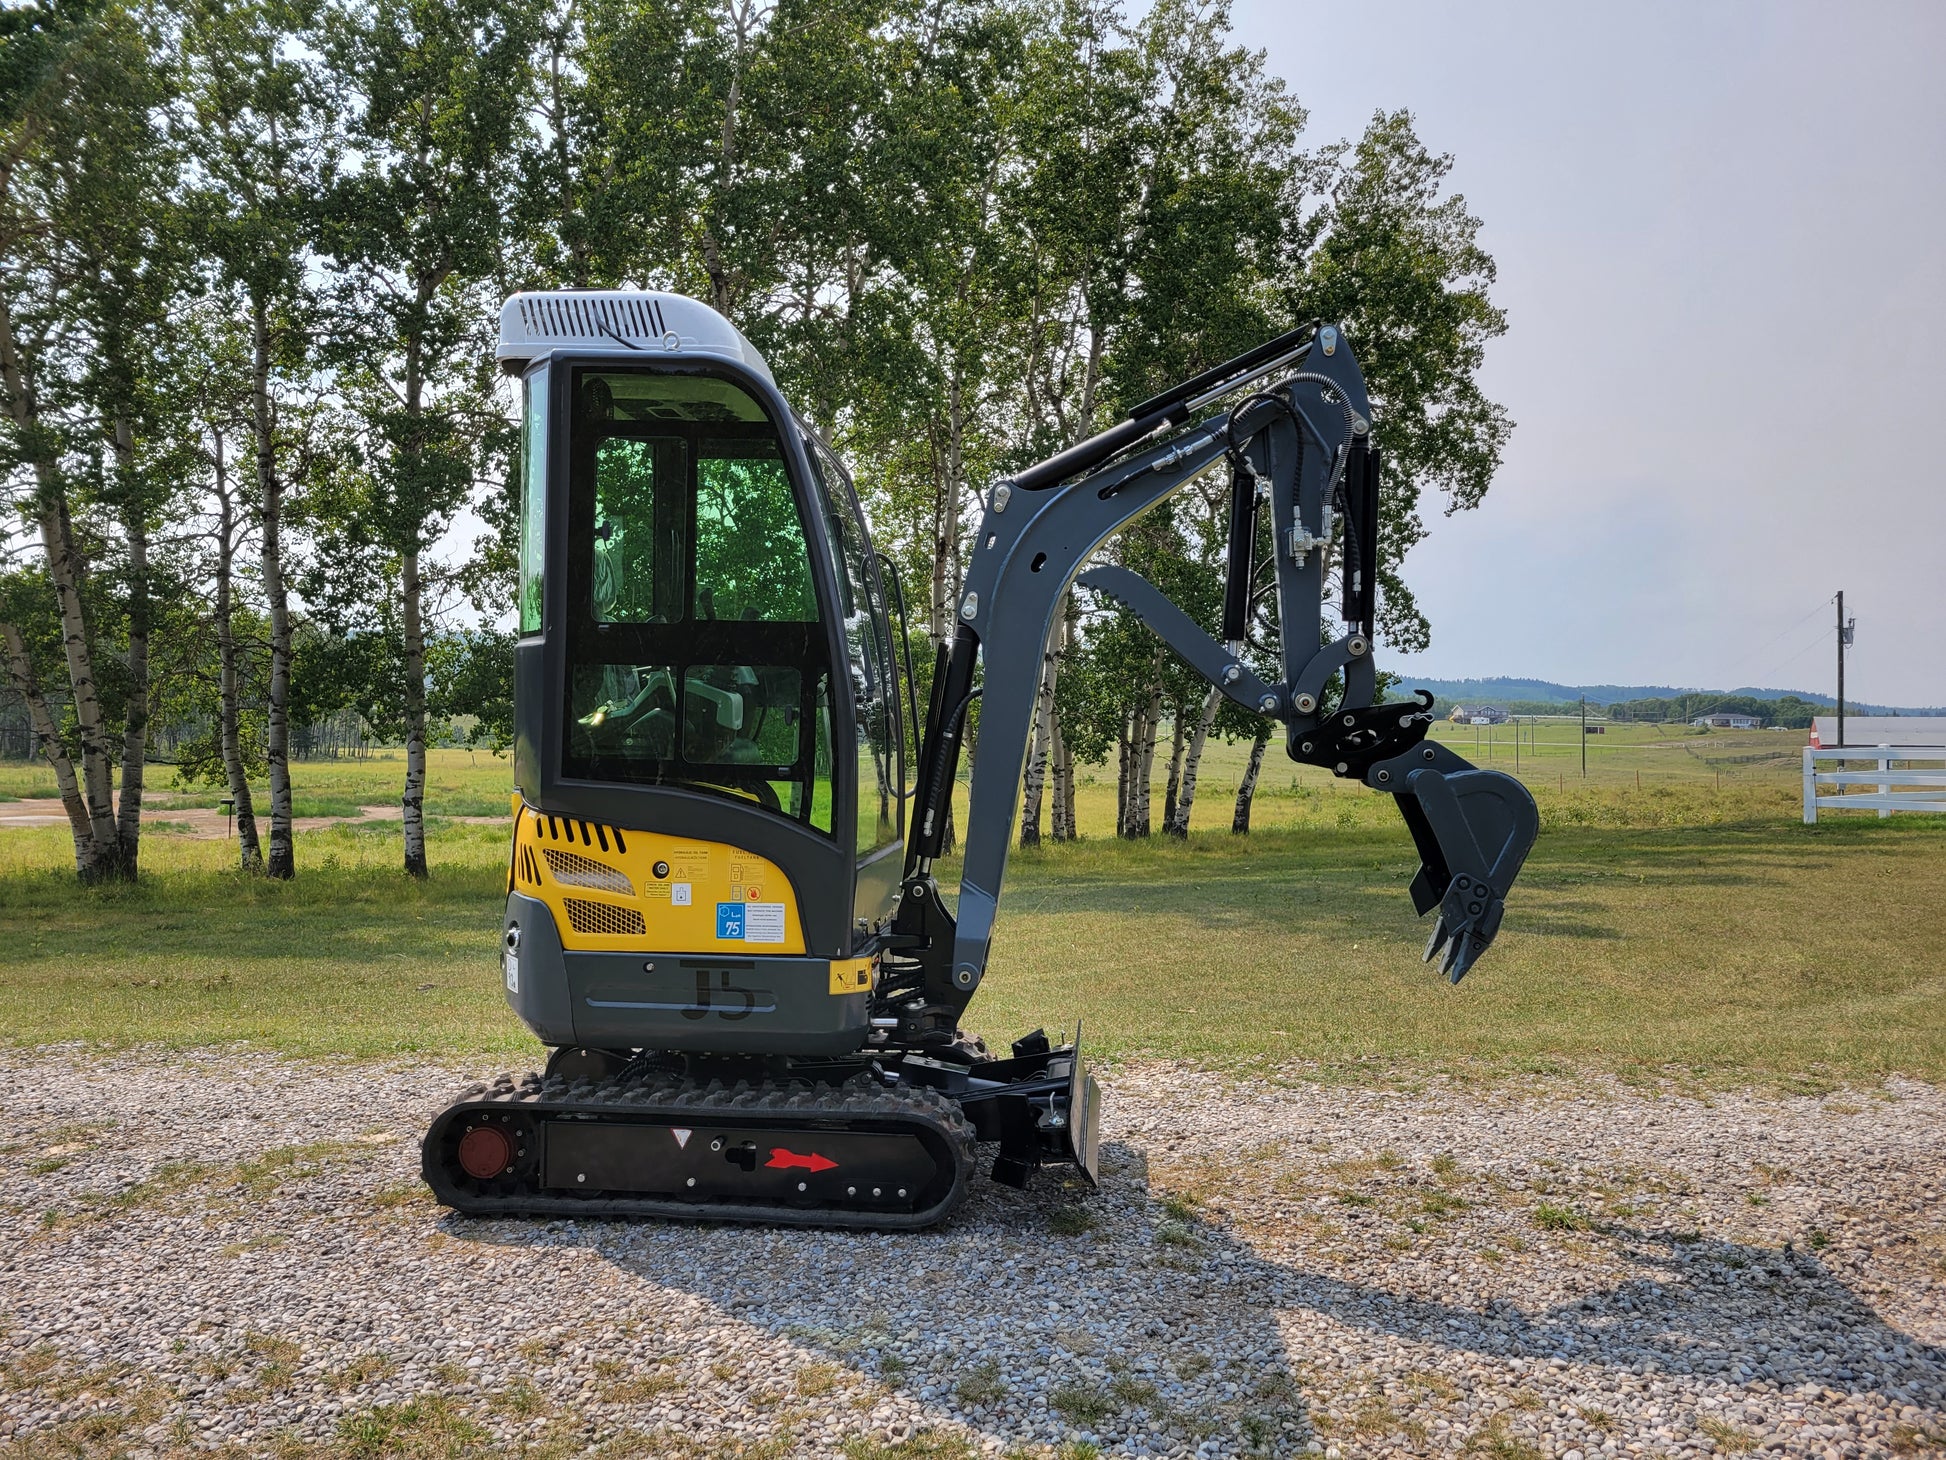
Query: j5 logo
(724, 999)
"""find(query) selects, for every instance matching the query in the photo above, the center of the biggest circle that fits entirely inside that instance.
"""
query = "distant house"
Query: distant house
(1483, 715)
(1728, 722)
(1879, 730)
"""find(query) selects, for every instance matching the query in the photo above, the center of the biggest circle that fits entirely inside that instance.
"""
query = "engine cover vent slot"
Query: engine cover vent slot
(572, 870)
(604, 919)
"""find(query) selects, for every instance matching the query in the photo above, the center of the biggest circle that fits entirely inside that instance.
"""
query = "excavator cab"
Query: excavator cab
(708, 752)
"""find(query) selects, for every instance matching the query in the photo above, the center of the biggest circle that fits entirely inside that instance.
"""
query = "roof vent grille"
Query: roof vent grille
(577, 316)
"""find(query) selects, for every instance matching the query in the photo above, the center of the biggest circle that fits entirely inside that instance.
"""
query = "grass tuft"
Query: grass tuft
(1726, 1436)
(1070, 1221)
(815, 1379)
(1083, 1404)
(1181, 1206)
(519, 1400)
(925, 1445)
(1551, 1218)
(431, 1427)
(365, 1369)
(981, 1385)
(641, 1388)
(1494, 1443)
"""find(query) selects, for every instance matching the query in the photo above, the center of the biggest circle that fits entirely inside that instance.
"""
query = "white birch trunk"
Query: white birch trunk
(1142, 758)
(1178, 733)
(1193, 760)
(20, 670)
(413, 802)
(94, 850)
(135, 718)
(97, 767)
(1035, 780)
(1121, 774)
(249, 848)
(282, 862)
(1247, 790)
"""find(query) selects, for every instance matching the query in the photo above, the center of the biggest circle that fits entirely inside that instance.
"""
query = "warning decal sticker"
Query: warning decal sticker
(811, 1161)
(851, 978)
(763, 922)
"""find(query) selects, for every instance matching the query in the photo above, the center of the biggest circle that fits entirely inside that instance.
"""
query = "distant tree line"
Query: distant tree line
(1443, 707)
(1786, 710)
(250, 258)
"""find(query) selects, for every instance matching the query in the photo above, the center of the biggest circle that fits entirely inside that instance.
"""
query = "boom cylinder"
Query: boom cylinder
(952, 690)
(1243, 545)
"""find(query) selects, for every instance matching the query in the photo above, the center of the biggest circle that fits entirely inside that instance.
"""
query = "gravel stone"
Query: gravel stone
(224, 1251)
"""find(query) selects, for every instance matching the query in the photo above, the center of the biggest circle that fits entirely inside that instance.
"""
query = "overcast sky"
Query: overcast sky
(1719, 237)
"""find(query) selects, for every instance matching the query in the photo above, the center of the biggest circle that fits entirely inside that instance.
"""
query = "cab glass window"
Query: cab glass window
(696, 651)
(868, 646)
(533, 497)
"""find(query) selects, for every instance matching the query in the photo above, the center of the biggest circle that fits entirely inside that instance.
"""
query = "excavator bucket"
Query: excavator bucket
(1473, 829)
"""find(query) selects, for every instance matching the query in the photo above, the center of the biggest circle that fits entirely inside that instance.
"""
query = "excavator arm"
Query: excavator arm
(1304, 441)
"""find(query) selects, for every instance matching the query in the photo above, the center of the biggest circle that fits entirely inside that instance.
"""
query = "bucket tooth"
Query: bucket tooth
(1438, 938)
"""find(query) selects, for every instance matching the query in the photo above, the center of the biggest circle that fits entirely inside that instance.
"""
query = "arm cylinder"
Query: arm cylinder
(1361, 536)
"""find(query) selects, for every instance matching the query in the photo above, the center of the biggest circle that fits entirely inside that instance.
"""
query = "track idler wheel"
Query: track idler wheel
(491, 1152)
(486, 1151)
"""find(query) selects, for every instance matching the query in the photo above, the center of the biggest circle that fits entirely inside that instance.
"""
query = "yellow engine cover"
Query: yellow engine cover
(616, 890)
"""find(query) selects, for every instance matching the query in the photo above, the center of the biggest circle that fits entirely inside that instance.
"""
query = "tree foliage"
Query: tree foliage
(251, 252)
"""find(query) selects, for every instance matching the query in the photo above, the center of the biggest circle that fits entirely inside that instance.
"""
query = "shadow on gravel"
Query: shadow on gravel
(1129, 1321)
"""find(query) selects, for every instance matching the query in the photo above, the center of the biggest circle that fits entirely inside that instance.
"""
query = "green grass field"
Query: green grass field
(1680, 927)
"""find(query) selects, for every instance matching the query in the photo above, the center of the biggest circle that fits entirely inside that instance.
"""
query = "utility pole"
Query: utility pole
(1584, 737)
(1845, 631)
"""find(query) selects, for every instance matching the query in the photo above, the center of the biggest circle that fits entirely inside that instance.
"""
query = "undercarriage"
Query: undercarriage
(886, 1142)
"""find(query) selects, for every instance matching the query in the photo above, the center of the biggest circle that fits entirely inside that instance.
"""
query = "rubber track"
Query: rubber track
(658, 1102)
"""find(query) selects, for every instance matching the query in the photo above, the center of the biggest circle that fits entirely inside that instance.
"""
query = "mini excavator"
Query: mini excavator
(722, 912)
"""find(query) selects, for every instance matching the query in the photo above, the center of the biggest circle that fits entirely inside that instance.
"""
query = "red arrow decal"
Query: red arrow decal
(812, 1162)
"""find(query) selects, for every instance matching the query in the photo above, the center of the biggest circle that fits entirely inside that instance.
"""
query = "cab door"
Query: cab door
(879, 748)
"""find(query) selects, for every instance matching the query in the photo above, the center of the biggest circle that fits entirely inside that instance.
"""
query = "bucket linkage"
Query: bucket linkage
(1473, 828)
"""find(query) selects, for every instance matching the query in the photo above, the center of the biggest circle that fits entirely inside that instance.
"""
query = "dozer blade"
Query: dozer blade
(1080, 1123)
(1473, 829)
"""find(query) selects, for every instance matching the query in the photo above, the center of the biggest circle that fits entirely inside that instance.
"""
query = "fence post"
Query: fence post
(1884, 787)
(1810, 787)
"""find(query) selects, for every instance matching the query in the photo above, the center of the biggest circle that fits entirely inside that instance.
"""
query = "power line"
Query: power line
(1756, 680)
(1792, 629)
(1709, 707)
(1815, 643)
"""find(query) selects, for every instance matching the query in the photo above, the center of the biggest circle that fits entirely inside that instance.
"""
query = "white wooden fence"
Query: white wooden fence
(1900, 778)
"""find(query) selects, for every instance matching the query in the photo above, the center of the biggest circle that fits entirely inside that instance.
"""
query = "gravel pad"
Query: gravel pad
(230, 1251)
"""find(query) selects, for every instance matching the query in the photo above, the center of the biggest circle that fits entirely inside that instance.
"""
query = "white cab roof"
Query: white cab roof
(621, 322)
